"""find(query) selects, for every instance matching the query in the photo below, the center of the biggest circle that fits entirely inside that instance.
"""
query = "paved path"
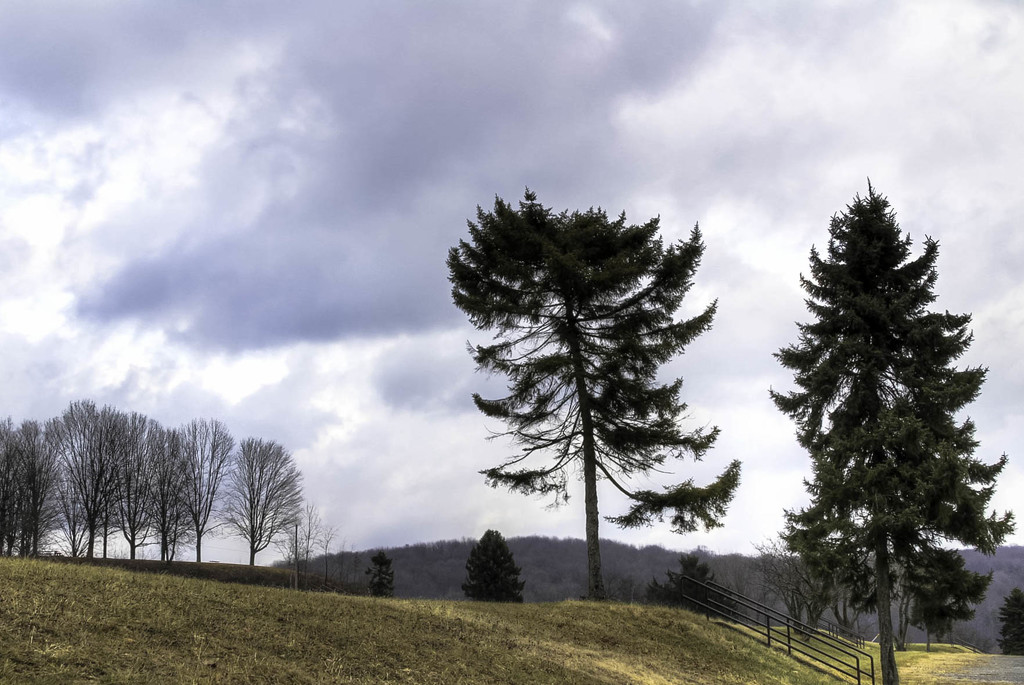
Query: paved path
(995, 669)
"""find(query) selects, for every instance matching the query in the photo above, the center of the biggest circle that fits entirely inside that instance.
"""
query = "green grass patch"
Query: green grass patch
(935, 667)
(939, 666)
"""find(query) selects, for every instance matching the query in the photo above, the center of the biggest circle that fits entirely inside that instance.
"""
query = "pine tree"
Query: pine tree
(491, 572)
(1011, 615)
(676, 590)
(876, 408)
(582, 308)
(382, 578)
(945, 593)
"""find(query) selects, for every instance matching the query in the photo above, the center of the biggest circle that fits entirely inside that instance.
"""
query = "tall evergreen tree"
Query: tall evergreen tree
(876, 408)
(491, 572)
(582, 309)
(382, 577)
(1011, 615)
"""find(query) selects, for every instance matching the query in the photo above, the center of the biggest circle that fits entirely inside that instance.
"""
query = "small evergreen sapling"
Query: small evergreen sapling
(676, 590)
(382, 577)
(1011, 615)
(946, 593)
(491, 573)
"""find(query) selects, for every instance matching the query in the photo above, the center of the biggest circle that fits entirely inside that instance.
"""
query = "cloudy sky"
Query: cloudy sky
(242, 210)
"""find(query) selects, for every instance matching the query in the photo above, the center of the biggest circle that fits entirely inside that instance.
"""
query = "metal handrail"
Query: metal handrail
(836, 630)
(967, 645)
(725, 603)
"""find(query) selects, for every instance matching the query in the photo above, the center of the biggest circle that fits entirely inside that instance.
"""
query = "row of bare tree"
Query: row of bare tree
(813, 594)
(92, 472)
(310, 539)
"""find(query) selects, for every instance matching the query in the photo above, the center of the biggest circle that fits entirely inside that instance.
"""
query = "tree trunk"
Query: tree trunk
(199, 547)
(903, 619)
(595, 584)
(252, 555)
(890, 674)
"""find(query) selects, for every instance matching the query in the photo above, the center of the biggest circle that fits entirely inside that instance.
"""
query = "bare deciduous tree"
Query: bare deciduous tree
(134, 481)
(70, 514)
(310, 529)
(264, 494)
(304, 538)
(207, 448)
(10, 491)
(327, 536)
(805, 594)
(81, 441)
(170, 517)
(39, 477)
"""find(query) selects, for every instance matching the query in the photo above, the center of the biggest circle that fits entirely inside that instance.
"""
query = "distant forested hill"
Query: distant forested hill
(1007, 569)
(555, 569)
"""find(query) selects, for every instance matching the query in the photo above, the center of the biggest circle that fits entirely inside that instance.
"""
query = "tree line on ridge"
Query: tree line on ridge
(77, 479)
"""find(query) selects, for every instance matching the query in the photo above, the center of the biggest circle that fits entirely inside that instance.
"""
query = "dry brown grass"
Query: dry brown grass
(74, 624)
(70, 623)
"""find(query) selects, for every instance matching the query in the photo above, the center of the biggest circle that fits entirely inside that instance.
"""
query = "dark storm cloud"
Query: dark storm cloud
(70, 59)
(484, 92)
(367, 144)
(264, 290)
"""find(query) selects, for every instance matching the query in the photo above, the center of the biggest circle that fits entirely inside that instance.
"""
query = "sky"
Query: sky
(242, 210)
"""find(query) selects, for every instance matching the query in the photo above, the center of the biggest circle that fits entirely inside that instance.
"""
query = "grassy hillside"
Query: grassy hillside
(267, 576)
(70, 623)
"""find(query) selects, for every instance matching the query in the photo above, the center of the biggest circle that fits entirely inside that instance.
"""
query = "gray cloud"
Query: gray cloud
(254, 291)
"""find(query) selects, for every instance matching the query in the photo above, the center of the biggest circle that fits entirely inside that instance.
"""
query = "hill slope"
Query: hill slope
(65, 623)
